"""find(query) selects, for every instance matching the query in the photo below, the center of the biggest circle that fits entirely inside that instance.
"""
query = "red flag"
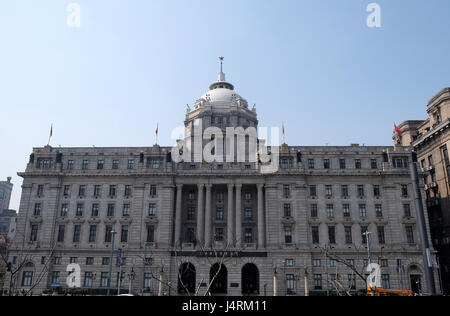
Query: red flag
(283, 128)
(51, 130)
(156, 129)
(399, 132)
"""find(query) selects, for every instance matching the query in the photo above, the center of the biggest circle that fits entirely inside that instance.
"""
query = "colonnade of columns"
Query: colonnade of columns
(204, 231)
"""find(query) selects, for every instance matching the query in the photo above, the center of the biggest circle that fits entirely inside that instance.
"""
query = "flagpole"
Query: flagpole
(50, 136)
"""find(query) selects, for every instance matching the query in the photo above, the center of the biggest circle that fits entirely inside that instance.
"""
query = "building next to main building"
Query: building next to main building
(187, 226)
(430, 138)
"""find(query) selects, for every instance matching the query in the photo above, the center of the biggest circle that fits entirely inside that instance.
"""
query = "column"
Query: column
(200, 215)
(178, 215)
(208, 216)
(238, 216)
(230, 222)
(261, 234)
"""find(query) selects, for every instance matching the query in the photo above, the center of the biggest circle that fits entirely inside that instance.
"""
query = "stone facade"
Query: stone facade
(181, 220)
(430, 138)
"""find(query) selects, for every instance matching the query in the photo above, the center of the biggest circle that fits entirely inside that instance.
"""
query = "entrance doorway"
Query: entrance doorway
(218, 274)
(250, 279)
(186, 279)
(416, 285)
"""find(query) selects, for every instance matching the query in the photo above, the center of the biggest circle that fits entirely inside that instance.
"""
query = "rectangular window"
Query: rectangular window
(328, 190)
(248, 213)
(190, 235)
(384, 263)
(124, 233)
(73, 260)
(27, 278)
(310, 163)
(344, 190)
(191, 213)
(85, 164)
(290, 284)
(288, 235)
(360, 190)
(385, 282)
(127, 192)
(40, 190)
(219, 234)
(108, 233)
(316, 263)
(76, 233)
(312, 191)
(342, 163)
(92, 233)
(150, 234)
(110, 210)
(332, 234)
(104, 279)
(286, 191)
(82, 191)
(219, 214)
(248, 235)
(247, 196)
(289, 263)
(348, 234)
(34, 232)
(89, 261)
(88, 279)
(352, 281)
(381, 237)
(326, 164)
(362, 210)
(330, 210)
(404, 190)
(61, 230)
(126, 210)
(37, 209)
(69, 164)
(313, 210)
(153, 190)
(315, 234)
(97, 190)
(409, 234)
(100, 164)
(364, 230)
(79, 212)
(287, 210)
(317, 281)
(376, 191)
(346, 210)
(66, 191)
(152, 209)
(373, 164)
(357, 163)
(115, 164)
(378, 210)
(219, 196)
(130, 164)
(95, 209)
(191, 196)
(105, 261)
(55, 277)
(407, 210)
(112, 191)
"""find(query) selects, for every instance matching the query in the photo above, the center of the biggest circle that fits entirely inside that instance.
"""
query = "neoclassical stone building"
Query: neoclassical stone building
(182, 222)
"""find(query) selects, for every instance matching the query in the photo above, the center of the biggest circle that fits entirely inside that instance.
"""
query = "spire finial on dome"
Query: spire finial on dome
(221, 74)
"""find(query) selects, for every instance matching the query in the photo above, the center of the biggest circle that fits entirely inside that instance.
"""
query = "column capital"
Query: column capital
(238, 185)
(260, 185)
(200, 185)
(208, 186)
(179, 185)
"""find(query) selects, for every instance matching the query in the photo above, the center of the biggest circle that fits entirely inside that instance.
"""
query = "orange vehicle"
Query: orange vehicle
(388, 292)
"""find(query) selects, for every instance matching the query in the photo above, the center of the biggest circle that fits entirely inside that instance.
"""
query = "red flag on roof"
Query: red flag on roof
(399, 132)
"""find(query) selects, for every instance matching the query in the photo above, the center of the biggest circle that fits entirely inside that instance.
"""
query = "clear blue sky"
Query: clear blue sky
(313, 64)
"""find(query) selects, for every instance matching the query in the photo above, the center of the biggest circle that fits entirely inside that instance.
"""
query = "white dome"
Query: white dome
(221, 96)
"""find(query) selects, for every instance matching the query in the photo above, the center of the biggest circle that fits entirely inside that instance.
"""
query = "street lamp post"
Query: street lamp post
(131, 276)
(113, 235)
